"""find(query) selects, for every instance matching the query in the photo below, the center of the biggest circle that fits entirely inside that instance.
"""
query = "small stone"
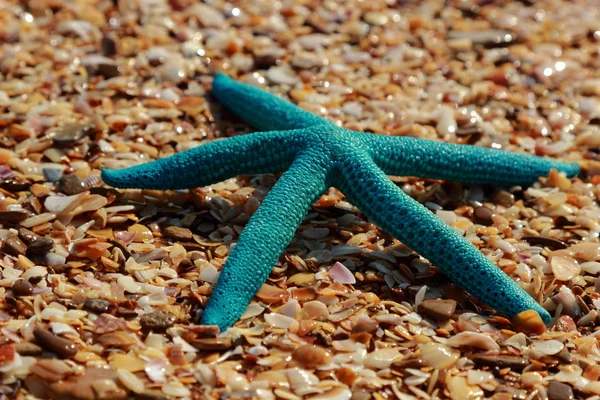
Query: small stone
(441, 310)
(39, 247)
(483, 216)
(312, 356)
(157, 320)
(559, 391)
(97, 306)
(126, 312)
(16, 185)
(71, 184)
(398, 294)
(61, 268)
(545, 241)
(178, 233)
(504, 198)
(205, 331)
(501, 361)
(108, 70)
(52, 174)
(22, 288)
(70, 134)
(61, 347)
(13, 217)
(212, 344)
(108, 46)
(14, 246)
(28, 236)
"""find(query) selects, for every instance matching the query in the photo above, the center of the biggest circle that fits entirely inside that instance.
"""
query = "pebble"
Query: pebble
(14, 246)
(559, 391)
(212, 344)
(70, 134)
(398, 294)
(108, 70)
(438, 309)
(545, 241)
(12, 217)
(178, 233)
(504, 198)
(52, 174)
(501, 361)
(97, 306)
(28, 236)
(126, 313)
(71, 184)
(22, 288)
(39, 247)
(157, 320)
(311, 356)
(61, 347)
(483, 216)
(108, 45)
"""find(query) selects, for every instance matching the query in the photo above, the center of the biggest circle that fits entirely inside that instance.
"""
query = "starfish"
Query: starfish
(315, 154)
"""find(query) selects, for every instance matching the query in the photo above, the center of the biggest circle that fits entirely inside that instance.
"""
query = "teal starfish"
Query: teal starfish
(316, 154)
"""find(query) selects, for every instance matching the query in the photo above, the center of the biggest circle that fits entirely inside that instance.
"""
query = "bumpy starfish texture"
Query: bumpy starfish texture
(315, 155)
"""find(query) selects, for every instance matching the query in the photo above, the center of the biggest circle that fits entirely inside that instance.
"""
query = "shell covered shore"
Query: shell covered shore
(102, 290)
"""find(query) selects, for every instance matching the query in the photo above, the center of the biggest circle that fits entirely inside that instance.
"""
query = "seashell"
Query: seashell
(338, 393)
(548, 347)
(476, 377)
(339, 273)
(460, 389)
(564, 268)
(299, 378)
(315, 309)
(282, 75)
(279, 320)
(272, 294)
(439, 356)
(473, 339)
(155, 369)
(382, 358)
(130, 381)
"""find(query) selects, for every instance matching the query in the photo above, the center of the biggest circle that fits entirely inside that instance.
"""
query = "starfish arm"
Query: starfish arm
(264, 238)
(367, 187)
(259, 108)
(462, 163)
(216, 161)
